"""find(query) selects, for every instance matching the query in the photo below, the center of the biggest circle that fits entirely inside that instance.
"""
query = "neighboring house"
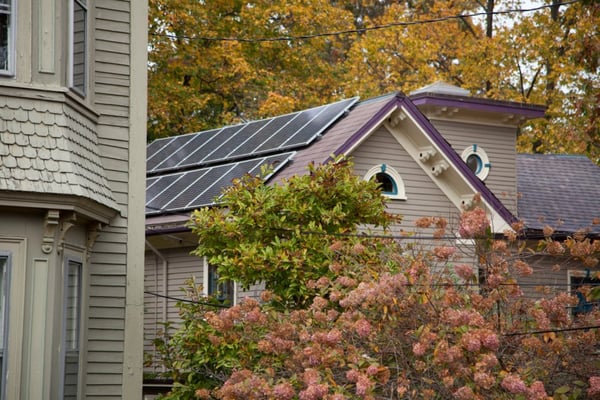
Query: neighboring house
(72, 164)
(432, 151)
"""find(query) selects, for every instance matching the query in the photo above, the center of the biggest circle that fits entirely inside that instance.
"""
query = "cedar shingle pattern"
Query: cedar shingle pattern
(561, 191)
(45, 148)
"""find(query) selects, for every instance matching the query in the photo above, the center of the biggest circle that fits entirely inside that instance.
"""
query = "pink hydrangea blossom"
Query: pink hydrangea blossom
(513, 384)
(594, 389)
(537, 391)
(473, 223)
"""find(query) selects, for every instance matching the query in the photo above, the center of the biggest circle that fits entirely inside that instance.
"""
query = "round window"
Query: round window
(477, 161)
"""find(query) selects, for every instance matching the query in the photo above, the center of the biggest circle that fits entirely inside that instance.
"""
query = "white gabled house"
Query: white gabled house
(72, 123)
(432, 151)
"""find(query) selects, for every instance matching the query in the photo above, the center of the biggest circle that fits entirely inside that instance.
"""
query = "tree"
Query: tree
(213, 64)
(377, 317)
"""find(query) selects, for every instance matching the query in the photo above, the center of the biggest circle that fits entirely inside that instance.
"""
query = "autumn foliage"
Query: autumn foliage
(215, 63)
(375, 316)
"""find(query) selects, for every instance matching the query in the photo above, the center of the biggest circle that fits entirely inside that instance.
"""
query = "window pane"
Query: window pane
(221, 290)
(5, 39)
(72, 310)
(79, 45)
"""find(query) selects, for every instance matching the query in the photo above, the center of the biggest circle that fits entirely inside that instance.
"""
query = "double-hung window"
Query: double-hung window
(78, 78)
(7, 36)
(71, 329)
(4, 277)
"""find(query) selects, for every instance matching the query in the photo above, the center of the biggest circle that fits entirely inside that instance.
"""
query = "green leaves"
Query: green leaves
(280, 234)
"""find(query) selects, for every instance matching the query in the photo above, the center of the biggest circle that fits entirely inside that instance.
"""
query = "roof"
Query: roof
(43, 151)
(561, 191)
(187, 172)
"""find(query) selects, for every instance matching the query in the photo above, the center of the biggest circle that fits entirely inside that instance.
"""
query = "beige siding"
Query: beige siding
(424, 198)
(181, 267)
(499, 144)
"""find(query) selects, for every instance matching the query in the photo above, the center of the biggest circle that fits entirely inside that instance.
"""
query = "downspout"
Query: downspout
(165, 288)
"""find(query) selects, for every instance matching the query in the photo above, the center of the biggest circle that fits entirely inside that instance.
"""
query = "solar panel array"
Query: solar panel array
(190, 171)
(201, 187)
(279, 134)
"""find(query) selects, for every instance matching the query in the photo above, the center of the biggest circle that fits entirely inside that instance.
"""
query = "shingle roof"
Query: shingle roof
(561, 191)
(44, 149)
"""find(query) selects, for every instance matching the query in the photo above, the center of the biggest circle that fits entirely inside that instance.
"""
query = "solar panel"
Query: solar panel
(319, 123)
(197, 142)
(273, 125)
(188, 190)
(235, 141)
(310, 123)
(208, 148)
(155, 146)
(281, 133)
(175, 143)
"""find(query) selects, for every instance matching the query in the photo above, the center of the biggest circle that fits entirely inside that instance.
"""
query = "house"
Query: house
(432, 151)
(71, 173)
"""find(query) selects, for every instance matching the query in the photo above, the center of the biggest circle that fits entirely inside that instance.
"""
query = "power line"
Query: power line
(581, 328)
(186, 300)
(360, 30)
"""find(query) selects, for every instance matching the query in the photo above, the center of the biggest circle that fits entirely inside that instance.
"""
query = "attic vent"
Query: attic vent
(477, 161)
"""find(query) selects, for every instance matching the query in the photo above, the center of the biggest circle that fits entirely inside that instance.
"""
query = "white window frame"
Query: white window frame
(10, 70)
(78, 330)
(82, 91)
(484, 164)
(399, 192)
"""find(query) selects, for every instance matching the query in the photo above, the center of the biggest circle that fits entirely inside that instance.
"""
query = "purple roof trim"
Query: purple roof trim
(495, 106)
(455, 159)
(372, 123)
(401, 100)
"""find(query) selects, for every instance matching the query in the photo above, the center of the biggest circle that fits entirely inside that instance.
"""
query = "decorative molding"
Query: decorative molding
(50, 226)
(439, 168)
(93, 231)
(446, 111)
(427, 153)
(67, 223)
(396, 118)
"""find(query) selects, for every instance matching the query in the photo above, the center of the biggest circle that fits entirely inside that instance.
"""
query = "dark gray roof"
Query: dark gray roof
(561, 191)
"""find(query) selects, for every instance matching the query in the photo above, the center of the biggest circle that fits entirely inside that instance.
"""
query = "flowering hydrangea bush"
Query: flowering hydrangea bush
(381, 322)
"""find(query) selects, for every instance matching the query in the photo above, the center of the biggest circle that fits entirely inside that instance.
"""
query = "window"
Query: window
(580, 283)
(79, 46)
(220, 290)
(3, 321)
(477, 161)
(390, 182)
(71, 328)
(6, 37)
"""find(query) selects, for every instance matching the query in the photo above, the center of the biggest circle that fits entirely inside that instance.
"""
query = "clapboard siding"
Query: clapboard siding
(424, 198)
(499, 144)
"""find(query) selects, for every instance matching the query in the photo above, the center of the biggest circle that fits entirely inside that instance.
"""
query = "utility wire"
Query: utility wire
(185, 300)
(360, 30)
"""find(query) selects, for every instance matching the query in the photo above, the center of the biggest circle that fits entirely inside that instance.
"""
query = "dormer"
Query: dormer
(482, 131)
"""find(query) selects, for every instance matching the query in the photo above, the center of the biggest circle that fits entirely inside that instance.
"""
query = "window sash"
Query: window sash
(71, 328)
(7, 37)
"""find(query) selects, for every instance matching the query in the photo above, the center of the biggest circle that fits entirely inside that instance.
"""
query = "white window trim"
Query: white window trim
(70, 59)
(485, 167)
(11, 41)
(400, 193)
(80, 326)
